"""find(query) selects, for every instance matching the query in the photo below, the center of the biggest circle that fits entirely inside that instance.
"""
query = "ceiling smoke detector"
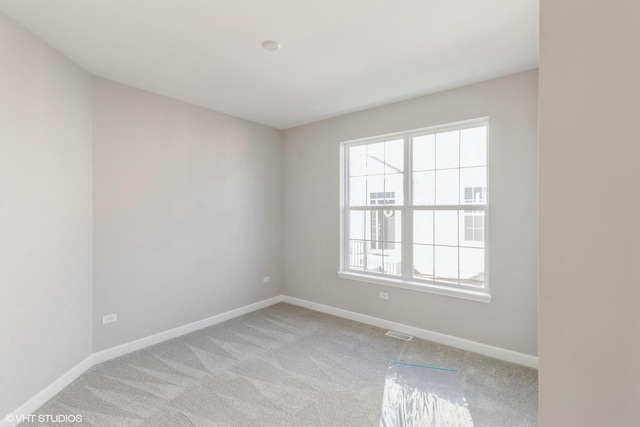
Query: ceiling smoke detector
(271, 46)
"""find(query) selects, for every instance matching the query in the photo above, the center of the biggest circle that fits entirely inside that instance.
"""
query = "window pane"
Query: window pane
(373, 228)
(447, 150)
(446, 227)
(383, 257)
(423, 227)
(375, 190)
(468, 221)
(424, 150)
(356, 225)
(471, 266)
(382, 225)
(357, 254)
(423, 262)
(357, 191)
(375, 158)
(394, 156)
(374, 256)
(392, 258)
(447, 189)
(468, 234)
(473, 185)
(358, 160)
(446, 264)
(473, 147)
(424, 188)
(393, 188)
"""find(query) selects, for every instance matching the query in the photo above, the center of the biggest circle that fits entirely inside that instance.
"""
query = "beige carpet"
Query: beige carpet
(282, 366)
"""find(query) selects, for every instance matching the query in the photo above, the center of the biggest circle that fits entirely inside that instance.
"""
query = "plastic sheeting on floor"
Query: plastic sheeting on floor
(424, 396)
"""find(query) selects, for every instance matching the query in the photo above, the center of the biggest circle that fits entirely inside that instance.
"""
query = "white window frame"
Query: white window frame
(406, 280)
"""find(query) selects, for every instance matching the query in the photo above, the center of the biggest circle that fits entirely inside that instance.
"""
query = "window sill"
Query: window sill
(468, 294)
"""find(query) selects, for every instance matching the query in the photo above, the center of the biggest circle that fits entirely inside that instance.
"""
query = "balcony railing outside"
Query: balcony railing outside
(361, 256)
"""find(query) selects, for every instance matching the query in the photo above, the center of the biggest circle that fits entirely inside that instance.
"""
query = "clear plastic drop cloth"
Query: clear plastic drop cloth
(424, 396)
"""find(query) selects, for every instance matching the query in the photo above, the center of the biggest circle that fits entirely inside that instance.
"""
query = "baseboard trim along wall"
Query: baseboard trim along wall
(130, 347)
(14, 418)
(461, 343)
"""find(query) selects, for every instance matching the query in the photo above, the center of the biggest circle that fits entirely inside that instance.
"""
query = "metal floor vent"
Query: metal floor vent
(399, 336)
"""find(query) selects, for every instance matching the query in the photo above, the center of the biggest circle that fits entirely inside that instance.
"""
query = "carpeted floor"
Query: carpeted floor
(282, 366)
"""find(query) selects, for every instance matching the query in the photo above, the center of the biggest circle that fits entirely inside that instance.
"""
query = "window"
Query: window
(473, 226)
(415, 209)
(474, 194)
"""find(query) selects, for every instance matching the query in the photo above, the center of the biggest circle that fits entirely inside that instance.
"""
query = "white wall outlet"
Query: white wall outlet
(384, 295)
(266, 279)
(109, 318)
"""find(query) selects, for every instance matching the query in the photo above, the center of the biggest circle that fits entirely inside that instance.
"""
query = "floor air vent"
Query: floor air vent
(398, 335)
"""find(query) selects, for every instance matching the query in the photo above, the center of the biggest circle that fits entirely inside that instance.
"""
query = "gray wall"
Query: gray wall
(589, 207)
(187, 213)
(45, 215)
(311, 248)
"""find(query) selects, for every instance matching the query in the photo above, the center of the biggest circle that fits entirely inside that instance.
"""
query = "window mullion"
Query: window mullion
(407, 213)
(346, 212)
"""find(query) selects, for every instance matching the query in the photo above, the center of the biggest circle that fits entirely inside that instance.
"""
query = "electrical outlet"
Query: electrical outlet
(384, 295)
(109, 318)
(266, 279)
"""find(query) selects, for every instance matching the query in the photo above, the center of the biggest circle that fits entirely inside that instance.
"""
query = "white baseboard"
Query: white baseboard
(136, 345)
(111, 353)
(13, 418)
(461, 343)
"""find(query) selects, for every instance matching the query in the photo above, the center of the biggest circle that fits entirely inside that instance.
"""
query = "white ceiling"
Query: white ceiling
(337, 56)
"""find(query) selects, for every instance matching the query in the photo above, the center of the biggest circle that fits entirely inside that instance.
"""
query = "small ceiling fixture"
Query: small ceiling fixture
(271, 46)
